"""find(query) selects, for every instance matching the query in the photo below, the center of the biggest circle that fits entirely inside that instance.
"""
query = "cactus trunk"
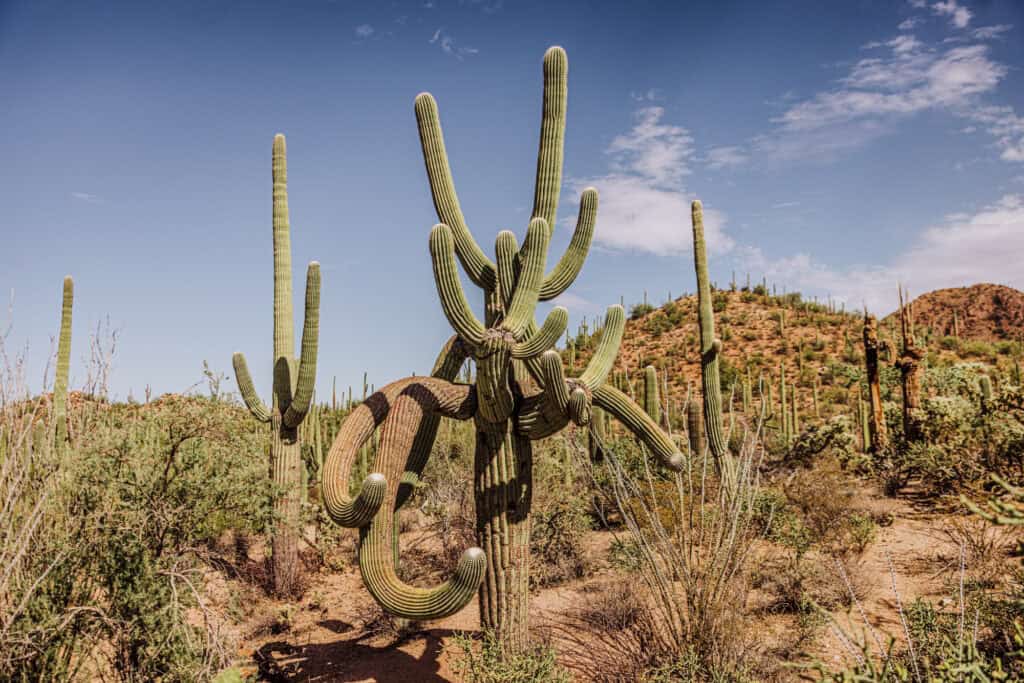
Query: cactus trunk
(876, 415)
(60, 381)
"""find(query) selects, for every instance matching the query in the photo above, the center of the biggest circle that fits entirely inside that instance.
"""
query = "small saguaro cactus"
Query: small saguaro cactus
(60, 380)
(710, 349)
(520, 393)
(652, 403)
(911, 370)
(876, 414)
(294, 381)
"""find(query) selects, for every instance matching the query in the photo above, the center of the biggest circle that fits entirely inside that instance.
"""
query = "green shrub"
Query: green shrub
(482, 661)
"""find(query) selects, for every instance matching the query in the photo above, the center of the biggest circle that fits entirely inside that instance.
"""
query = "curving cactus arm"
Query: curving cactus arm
(304, 387)
(640, 423)
(248, 389)
(569, 266)
(533, 255)
(449, 289)
(416, 400)
(539, 341)
(607, 349)
(442, 188)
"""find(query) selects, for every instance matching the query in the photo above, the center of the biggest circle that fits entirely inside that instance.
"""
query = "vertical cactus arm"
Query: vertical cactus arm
(506, 250)
(449, 288)
(652, 402)
(607, 349)
(555, 389)
(284, 324)
(571, 263)
(306, 384)
(539, 341)
(442, 188)
(627, 412)
(60, 380)
(524, 300)
(552, 136)
(248, 389)
(414, 402)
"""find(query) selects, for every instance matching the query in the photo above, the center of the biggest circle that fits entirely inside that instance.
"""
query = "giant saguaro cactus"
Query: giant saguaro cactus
(60, 380)
(520, 393)
(294, 381)
(710, 348)
(876, 413)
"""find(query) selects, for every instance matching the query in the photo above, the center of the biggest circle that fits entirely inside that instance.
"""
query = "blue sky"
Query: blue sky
(838, 147)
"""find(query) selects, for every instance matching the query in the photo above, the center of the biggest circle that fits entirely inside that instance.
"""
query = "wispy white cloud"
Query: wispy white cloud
(442, 39)
(985, 246)
(908, 24)
(990, 32)
(725, 157)
(86, 197)
(1006, 126)
(958, 15)
(364, 31)
(785, 205)
(644, 203)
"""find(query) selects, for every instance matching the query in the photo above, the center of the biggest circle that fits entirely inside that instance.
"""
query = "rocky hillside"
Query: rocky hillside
(983, 311)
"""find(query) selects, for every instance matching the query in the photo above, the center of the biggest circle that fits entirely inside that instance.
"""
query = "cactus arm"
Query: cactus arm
(607, 349)
(637, 421)
(248, 389)
(299, 405)
(60, 380)
(506, 250)
(524, 299)
(539, 341)
(284, 325)
(552, 136)
(571, 263)
(411, 405)
(652, 403)
(555, 390)
(449, 288)
(442, 188)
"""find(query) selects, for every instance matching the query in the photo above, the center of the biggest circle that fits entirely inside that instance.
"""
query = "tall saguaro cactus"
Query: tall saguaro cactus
(876, 413)
(909, 364)
(520, 392)
(60, 381)
(294, 381)
(710, 349)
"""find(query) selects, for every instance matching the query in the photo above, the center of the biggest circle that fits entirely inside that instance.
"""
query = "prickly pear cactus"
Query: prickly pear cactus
(520, 393)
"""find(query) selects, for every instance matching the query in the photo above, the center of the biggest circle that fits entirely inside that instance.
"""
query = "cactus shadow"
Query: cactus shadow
(412, 659)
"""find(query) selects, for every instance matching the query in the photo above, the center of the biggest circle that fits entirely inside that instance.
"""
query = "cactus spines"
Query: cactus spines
(519, 394)
(710, 348)
(294, 381)
(60, 380)
(876, 415)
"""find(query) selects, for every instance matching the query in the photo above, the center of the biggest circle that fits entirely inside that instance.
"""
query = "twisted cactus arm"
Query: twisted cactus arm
(552, 136)
(413, 403)
(532, 257)
(60, 380)
(299, 405)
(442, 188)
(607, 349)
(248, 389)
(284, 325)
(571, 263)
(637, 421)
(539, 341)
(449, 288)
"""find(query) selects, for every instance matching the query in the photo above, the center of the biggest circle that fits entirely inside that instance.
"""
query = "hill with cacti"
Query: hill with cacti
(984, 312)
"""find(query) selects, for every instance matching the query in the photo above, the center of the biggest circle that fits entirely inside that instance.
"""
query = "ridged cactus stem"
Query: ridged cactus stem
(876, 414)
(294, 380)
(710, 348)
(695, 428)
(60, 380)
(784, 407)
(652, 405)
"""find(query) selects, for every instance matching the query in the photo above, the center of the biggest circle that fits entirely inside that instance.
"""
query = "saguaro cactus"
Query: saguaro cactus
(520, 393)
(294, 381)
(60, 380)
(710, 348)
(909, 364)
(876, 414)
(652, 402)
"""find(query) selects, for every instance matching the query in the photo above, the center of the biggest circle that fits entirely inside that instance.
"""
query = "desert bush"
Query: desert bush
(482, 661)
(638, 311)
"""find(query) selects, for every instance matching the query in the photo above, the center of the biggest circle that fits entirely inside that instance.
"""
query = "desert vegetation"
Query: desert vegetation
(735, 485)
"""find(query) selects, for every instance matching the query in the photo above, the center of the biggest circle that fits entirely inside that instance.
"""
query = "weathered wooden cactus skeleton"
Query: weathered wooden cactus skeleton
(520, 393)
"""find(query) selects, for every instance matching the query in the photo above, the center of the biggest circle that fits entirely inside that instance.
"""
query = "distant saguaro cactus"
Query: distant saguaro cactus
(710, 349)
(652, 403)
(294, 382)
(876, 414)
(909, 364)
(520, 393)
(60, 380)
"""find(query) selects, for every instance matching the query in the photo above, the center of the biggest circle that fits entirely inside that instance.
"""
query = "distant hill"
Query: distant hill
(984, 311)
